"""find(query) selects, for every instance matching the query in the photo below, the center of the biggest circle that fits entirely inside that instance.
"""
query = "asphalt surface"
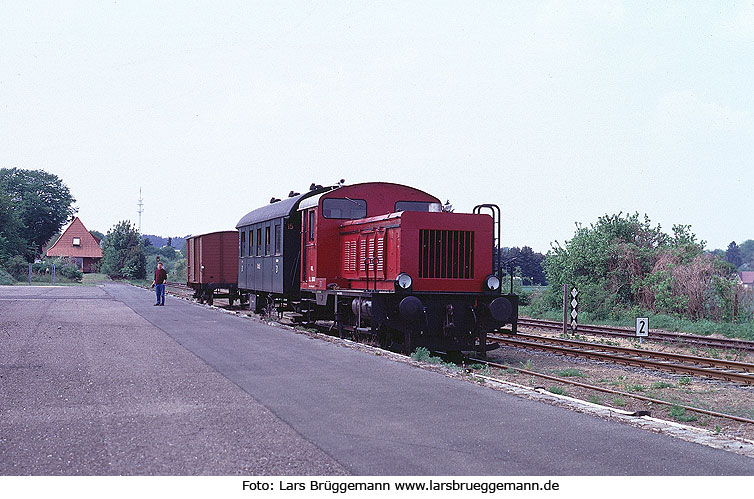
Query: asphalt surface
(98, 381)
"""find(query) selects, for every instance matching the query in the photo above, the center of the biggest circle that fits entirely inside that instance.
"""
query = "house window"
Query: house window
(77, 241)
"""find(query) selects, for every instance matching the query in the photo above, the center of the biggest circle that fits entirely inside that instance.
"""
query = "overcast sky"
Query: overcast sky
(557, 111)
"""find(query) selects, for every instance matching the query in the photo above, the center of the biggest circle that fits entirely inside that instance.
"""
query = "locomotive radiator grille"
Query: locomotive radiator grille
(446, 254)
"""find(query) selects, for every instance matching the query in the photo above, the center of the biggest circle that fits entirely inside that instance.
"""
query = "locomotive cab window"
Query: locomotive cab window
(311, 225)
(344, 208)
(412, 205)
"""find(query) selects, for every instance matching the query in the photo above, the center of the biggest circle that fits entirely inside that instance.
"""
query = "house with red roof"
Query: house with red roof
(77, 244)
(746, 278)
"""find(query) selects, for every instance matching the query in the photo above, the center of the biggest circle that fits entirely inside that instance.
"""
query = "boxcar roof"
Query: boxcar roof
(210, 234)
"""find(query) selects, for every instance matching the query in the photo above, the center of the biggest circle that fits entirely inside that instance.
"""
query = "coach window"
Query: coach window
(278, 240)
(311, 225)
(242, 234)
(250, 248)
(267, 240)
(259, 241)
(344, 208)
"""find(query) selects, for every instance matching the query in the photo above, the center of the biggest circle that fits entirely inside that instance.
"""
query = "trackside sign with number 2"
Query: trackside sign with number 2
(642, 326)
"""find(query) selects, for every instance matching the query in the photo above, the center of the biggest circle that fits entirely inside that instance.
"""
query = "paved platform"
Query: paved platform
(98, 381)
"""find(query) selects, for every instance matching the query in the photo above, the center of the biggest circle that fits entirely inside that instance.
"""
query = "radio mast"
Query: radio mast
(141, 209)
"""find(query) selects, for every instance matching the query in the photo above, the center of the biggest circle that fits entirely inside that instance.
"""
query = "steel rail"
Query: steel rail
(729, 343)
(613, 392)
(692, 359)
(627, 360)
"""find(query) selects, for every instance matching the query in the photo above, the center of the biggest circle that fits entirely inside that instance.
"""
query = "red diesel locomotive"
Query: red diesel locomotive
(381, 259)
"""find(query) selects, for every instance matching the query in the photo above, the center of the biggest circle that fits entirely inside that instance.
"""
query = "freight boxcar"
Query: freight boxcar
(212, 266)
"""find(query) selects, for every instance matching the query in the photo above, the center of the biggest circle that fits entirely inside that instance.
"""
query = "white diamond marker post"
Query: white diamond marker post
(574, 309)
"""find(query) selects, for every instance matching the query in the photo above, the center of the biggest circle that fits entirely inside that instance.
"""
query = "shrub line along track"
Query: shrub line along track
(181, 289)
(741, 372)
(704, 341)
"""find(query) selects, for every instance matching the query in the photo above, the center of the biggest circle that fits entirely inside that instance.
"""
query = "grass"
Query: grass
(635, 388)
(94, 279)
(685, 380)
(661, 384)
(680, 414)
(421, 354)
(566, 373)
(528, 365)
(557, 390)
(594, 399)
(619, 401)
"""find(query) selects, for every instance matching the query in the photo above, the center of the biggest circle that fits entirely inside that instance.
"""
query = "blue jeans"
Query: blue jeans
(159, 289)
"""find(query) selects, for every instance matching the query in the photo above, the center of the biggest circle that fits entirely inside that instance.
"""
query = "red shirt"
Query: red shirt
(160, 276)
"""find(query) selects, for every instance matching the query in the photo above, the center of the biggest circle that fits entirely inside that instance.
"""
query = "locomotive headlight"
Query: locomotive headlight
(492, 282)
(404, 281)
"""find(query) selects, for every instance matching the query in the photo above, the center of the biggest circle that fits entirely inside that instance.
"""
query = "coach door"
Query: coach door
(309, 243)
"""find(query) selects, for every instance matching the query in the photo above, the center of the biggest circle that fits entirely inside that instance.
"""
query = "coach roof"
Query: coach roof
(280, 209)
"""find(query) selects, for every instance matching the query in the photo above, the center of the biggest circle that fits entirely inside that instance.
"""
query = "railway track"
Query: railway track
(666, 336)
(738, 372)
(179, 289)
(611, 391)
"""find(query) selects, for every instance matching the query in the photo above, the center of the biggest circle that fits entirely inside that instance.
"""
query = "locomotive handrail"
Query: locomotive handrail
(496, 217)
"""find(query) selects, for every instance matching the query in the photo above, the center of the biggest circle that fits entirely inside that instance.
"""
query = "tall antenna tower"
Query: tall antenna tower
(141, 209)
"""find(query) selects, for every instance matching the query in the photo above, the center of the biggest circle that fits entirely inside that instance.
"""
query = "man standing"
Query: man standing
(160, 276)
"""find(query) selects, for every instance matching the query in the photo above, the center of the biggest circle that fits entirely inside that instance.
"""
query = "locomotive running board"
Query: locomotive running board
(491, 346)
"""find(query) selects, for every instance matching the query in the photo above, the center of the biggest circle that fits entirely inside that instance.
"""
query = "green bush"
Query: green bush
(70, 270)
(5, 278)
(17, 266)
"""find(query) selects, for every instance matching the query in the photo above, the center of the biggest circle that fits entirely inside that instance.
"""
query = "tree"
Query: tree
(97, 235)
(529, 262)
(733, 255)
(621, 262)
(42, 202)
(123, 252)
(747, 251)
(170, 242)
(11, 242)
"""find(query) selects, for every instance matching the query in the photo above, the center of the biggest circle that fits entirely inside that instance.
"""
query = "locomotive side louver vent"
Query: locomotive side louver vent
(446, 254)
(349, 256)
